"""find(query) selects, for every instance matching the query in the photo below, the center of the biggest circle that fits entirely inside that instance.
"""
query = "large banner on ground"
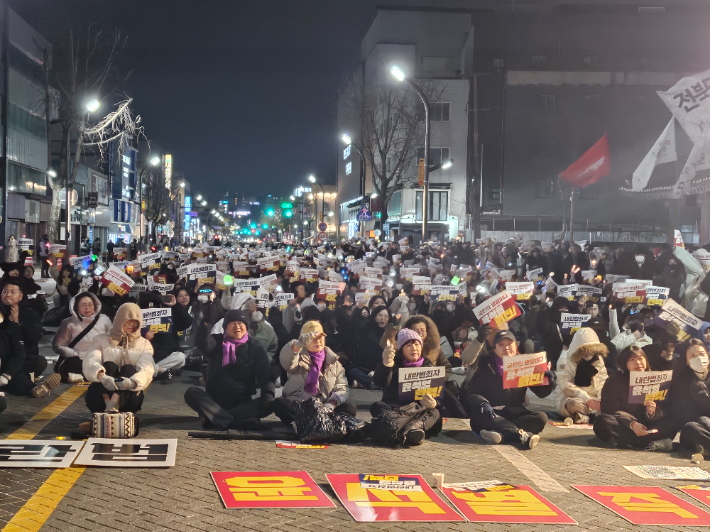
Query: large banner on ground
(38, 453)
(496, 502)
(132, 452)
(643, 505)
(374, 504)
(269, 489)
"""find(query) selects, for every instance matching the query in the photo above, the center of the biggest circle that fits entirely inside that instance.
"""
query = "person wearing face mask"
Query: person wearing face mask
(183, 297)
(292, 313)
(673, 277)
(206, 311)
(547, 328)
(690, 398)
(168, 355)
(366, 353)
(76, 333)
(416, 420)
(119, 365)
(632, 425)
(314, 370)
(500, 414)
(238, 365)
(581, 374)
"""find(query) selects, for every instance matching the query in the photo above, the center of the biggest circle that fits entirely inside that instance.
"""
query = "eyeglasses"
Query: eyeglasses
(638, 358)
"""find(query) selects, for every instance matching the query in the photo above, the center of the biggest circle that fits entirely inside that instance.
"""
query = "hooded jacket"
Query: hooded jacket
(165, 343)
(73, 326)
(121, 348)
(332, 383)
(584, 343)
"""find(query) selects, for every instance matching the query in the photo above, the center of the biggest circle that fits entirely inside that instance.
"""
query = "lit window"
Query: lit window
(349, 168)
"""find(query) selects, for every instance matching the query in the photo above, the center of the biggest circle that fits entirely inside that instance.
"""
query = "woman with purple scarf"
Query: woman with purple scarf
(313, 371)
(418, 419)
(238, 365)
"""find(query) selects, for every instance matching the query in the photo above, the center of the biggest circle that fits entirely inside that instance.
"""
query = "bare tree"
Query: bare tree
(157, 198)
(390, 119)
(85, 68)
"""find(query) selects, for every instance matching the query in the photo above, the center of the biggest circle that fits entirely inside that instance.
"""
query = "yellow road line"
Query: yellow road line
(37, 510)
(40, 506)
(42, 418)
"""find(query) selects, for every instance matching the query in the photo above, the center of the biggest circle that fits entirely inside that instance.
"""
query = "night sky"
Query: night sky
(242, 93)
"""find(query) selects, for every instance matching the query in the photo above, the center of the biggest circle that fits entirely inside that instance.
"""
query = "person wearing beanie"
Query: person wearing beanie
(632, 425)
(581, 374)
(314, 370)
(499, 414)
(238, 365)
(119, 365)
(424, 417)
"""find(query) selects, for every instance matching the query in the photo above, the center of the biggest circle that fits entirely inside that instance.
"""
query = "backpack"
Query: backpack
(389, 425)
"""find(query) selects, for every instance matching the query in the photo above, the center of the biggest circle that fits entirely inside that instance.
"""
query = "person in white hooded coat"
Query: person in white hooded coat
(119, 364)
(581, 375)
(76, 334)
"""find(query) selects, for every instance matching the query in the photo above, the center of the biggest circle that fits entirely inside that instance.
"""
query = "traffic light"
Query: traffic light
(270, 212)
(264, 226)
(253, 225)
(288, 213)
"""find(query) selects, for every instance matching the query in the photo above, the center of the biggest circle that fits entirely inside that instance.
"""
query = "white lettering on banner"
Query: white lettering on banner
(672, 311)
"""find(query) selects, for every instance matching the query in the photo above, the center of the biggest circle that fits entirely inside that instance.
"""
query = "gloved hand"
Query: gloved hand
(388, 355)
(126, 384)
(306, 339)
(483, 332)
(551, 378)
(4, 380)
(428, 401)
(108, 383)
(487, 410)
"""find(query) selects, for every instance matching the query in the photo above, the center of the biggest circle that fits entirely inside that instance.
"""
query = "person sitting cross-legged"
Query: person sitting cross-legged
(238, 365)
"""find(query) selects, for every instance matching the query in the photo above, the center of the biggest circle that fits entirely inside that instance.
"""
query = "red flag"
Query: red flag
(590, 167)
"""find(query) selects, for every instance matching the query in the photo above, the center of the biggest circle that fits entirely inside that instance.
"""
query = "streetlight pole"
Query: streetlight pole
(154, 161)
(312, 179)
(398, 74)
(347, 139)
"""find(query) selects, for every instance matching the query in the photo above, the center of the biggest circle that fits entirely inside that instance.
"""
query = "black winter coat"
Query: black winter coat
(689, 397)
(615, 401)
(488, 384)
(388, 379)
(235, 383)
(31, 327)
(12, 352)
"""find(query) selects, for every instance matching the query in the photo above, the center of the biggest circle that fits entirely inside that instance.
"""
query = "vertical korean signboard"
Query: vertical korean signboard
(188, 217)
(168, 170)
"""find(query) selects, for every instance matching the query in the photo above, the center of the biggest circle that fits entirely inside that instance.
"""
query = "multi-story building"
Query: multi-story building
(529, 87)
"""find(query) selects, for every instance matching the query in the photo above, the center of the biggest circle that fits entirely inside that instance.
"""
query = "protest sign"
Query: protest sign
(117, 281)
(520, 291)
(38, 453)
(656, 296)
(136, 290)
(57, 254)
(241, 269)
(269, 489)
(611, 278)
(675, 317)
(390, 482)
(586, 293)
(282, 300)
(506, 275)
(291, 272)
(26, 245)
(668, 472)
(150, 262)
(678, 239)
(223, 266)
(155, 283)
(372, 505)
(445, 293)
(421, 285)
(699, 492)
(157, 320)
(629, 292)
(502, 503)
(415, 383)
(649, 385)
(643, 505)
(520, 371)
(588, 275)
(547, 247)
(308, 275)
(80, 263)
(198, 273)
(569, 323)
(282, 444)
(567, 291)
(334, 276)
(120, 253)
(249, 286)
(534, 275)
(132, 452)
(370, 284)
(268, 282)
(497, 310)
(375, 273)
(268, 264)
(329, 291)
(172, 256)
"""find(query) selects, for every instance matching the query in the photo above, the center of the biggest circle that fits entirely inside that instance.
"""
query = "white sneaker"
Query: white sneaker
(75, 377)
(581, 419)
(491, 437)
(529, 439)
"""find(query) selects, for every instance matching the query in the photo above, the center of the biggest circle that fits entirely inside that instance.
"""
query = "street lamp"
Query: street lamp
(155, 161)
(93, 105)
(347, 140)
(199, 197)
(399, 75)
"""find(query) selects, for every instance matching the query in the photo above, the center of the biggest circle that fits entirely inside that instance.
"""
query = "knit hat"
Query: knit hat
(312, 327)
(234, 315)
(407, 335)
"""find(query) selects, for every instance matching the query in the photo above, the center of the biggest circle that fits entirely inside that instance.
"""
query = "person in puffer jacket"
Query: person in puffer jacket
(119, 364)
(314, 370)
(85, 308)
(581, 374)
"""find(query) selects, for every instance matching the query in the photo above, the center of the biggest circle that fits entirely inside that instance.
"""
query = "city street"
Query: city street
(184, 497)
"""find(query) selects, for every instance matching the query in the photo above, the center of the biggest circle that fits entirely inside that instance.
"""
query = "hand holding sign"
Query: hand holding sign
(388, 355)
(428, 401)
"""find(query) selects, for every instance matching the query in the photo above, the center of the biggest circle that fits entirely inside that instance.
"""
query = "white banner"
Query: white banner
(662, 151)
